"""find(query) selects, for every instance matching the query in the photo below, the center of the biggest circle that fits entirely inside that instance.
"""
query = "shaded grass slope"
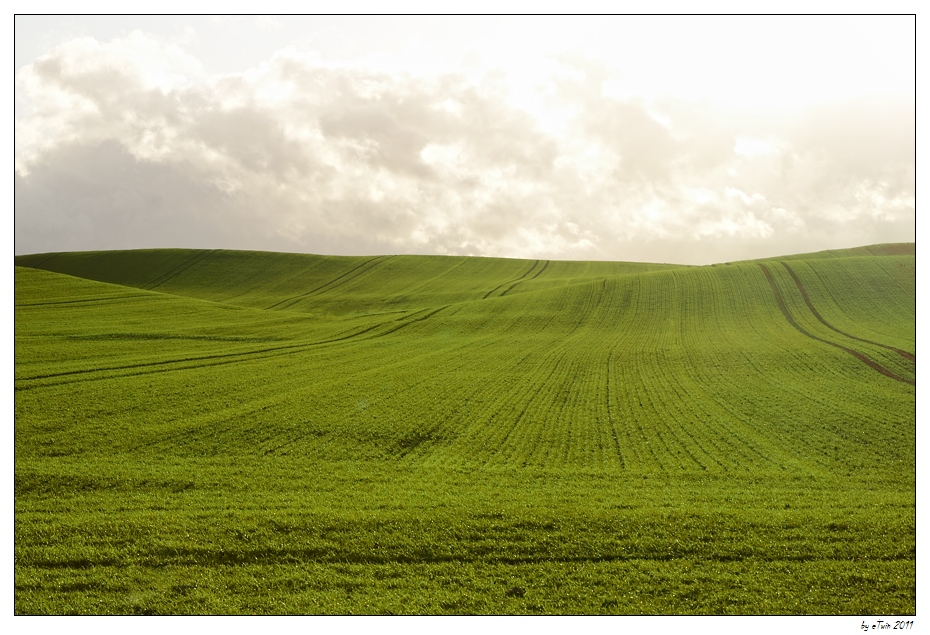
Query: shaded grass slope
(333, 284)
(226, 432)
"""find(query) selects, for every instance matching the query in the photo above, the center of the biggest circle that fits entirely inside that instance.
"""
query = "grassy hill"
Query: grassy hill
(224, 432)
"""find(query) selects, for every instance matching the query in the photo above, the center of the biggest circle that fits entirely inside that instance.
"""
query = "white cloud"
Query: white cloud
(131, 143)
(750, 147)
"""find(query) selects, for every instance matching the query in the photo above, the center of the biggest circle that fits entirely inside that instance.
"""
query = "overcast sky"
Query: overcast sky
(664, 139)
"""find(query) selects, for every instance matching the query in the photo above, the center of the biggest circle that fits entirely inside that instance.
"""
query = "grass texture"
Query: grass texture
(242, 432)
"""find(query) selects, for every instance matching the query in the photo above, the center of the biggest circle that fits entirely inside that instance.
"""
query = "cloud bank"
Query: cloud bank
(131, 143)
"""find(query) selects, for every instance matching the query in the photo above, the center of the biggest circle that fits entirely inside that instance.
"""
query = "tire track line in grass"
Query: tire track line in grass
(706, 444)
(522, 279)
(756, 433)
(198, 556)
(551, 439)
(576, 433)
(807, 300)
(528, 271)
(178, 269)
(294, 299)
(409, 322)
(661, 430)
(586, 402)
(718, 410)
(866, 360)
(374, 263)
(883, 311)
(546, 405)
(119, 297)
(860, 320)
(211, 360)
(629, 442)
(620, 414)
(802, 364)
(563, 419)
(220, 356)
(570, 431)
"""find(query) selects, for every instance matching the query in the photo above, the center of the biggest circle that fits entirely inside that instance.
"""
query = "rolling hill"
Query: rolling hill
(226, 432)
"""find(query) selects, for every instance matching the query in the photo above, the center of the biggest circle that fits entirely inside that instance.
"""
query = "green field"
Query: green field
(246, 432)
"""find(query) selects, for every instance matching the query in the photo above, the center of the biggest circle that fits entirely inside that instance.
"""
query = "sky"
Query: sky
(685, 139)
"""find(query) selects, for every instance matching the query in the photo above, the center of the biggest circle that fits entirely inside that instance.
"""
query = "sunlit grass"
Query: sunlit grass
(226, 432)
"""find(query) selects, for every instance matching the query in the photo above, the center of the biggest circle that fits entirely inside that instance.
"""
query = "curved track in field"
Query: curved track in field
(797, 281)
(209, 359)
(524, 278)
(332, 284)
(515, 282)
(179, 269)
(225, 358)
(861, 357)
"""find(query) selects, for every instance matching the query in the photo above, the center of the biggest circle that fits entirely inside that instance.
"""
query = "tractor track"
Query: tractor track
(332, 284)
(515, 282)
(216, 359)
(797, 281)
(525, 279)
(861, 357)
(178, 269)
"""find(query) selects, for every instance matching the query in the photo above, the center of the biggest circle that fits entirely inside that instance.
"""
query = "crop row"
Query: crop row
(589, 437)
(684, 370)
